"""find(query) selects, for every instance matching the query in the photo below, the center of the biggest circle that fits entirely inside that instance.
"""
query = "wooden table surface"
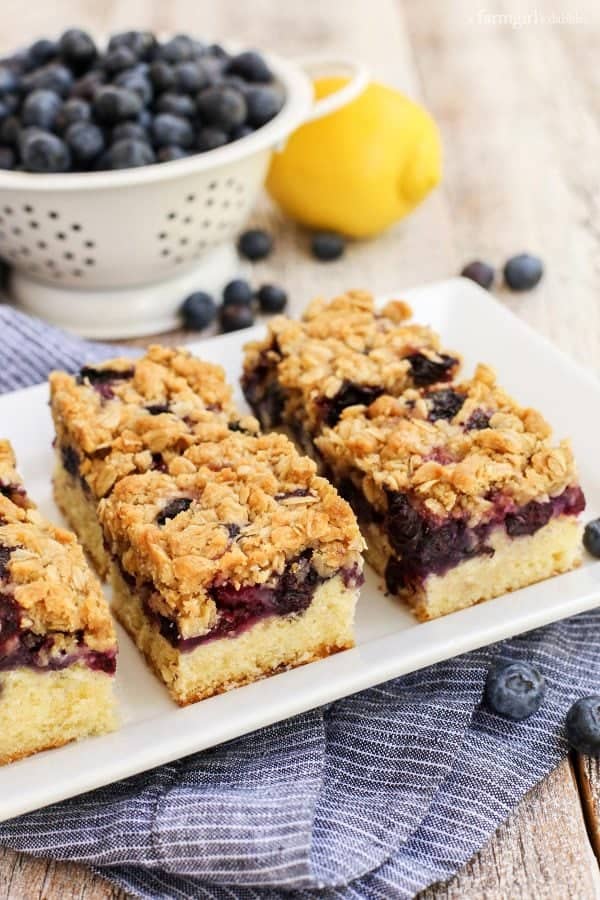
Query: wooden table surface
(519, 111)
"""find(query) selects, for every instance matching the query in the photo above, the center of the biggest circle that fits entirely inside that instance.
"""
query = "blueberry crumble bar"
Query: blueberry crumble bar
(126, 416)
(459, 492)
(57, 642)
(343, 352)
(236, 562)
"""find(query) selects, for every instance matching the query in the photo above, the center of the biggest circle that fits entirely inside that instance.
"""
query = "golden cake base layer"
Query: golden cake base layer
(40, 710)
(79, 510)
(269, 646)
(516, 563)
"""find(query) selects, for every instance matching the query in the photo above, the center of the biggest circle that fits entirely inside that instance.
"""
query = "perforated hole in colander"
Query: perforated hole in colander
(37, 240)
(201, 219)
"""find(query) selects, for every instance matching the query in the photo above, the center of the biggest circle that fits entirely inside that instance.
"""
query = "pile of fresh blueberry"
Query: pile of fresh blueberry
(521, 272)
(237, 309)
(515, 690)
(69, 106)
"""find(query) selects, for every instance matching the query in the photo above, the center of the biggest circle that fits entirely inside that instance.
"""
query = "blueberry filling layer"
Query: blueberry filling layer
(103, 379)
(14, 492)
(444, 404)
(427, 371)
(173, 509)
(241, 608)
(424, 546)
(23, 647)
(350, 394)
(262, 390)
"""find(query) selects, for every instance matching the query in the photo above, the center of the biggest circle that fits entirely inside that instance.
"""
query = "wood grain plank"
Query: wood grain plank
(25, 878)
(522, 137)
(541, 852)
(588, 777)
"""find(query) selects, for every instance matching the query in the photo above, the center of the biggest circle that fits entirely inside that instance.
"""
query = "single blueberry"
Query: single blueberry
(514, 690)
(178, 49)
(115, 104)
(480, 272)
(9, 80)
(198, 310)
(217, 51)
(129, 154)
(263, 105)
(255, 244)
(118, 59)
(53, 77)
(169, 154)
(73, 110)
(162, 75)
(85, 140)
(425, 371)
(222, 107)
(173, 509)
(77, 49)
(236, 316)
(210, 139)
(327, 245)
(583, 726)
(8, 158)
(523, 272)
(41, 109)
(251, 66)
(190, 77)
(41, 52)
(234, 81)
(44, 153)
(241, 131)
(141, 43)
(132, 130)
(591, 538)
(168, 129)
(238, 292)
(444, 404)
(271, 298)
(176, 105)
(86, 86)
(199, 48)
(136, 83)
(145, 119)
(9, 131)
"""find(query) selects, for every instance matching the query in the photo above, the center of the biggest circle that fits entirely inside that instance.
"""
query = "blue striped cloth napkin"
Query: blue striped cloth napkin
(375, 796)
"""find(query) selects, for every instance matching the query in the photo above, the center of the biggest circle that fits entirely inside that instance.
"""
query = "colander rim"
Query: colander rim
(298, 101)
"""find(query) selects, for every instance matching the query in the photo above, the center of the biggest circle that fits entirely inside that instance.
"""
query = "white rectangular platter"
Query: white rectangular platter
(389, 641)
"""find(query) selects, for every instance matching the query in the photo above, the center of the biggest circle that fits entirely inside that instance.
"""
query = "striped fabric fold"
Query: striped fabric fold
(374, 796)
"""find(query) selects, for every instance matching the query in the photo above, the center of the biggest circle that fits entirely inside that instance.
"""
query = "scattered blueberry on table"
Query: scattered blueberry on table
(235, 316)
(583, 726)
(523, 272)
(198, 311)
(238, 293)
(271, 298)
(327, 245)
(143, 101)
(255, 244)
(480, 272)
(591, 537)
(514, 689)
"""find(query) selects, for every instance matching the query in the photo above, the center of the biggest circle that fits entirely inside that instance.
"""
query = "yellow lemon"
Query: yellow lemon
(361, 168)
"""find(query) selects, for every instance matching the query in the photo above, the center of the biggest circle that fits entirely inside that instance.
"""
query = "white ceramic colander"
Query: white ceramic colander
(112, 254)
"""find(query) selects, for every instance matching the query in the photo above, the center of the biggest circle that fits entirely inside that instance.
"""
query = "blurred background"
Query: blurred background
(516, 99)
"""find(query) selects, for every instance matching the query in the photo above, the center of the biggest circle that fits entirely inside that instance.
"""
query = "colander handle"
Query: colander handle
(357, 73)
